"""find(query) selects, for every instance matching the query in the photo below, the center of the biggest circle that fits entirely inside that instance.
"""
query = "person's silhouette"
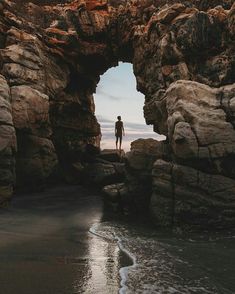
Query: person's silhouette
(119, 132)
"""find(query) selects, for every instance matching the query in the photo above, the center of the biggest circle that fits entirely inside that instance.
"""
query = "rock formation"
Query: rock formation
(52, 54)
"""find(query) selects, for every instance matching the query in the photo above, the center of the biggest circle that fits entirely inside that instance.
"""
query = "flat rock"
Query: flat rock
(112, 155)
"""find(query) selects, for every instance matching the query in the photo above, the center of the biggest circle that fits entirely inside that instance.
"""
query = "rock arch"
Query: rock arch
(183, 58)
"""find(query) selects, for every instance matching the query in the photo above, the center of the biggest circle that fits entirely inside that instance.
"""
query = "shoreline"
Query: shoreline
(124, 269)
(64, 242)
(46, 247)
(168, 263)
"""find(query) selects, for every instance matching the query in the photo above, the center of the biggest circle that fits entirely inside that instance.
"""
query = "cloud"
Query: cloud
(137, 126)
(115, 81)
(103, 119)
(102, 93)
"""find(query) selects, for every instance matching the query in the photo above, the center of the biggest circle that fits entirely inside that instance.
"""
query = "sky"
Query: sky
(116, 94)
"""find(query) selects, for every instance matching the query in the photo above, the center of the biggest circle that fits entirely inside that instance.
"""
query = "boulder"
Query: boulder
(36, 162)
(139, 164)
(185, 197)
(102, 174)
(198, 129)
(143, 154)
(114, 192)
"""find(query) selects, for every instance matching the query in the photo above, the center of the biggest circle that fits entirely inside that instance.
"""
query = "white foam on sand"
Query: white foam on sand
(154, 269)
(124, 270)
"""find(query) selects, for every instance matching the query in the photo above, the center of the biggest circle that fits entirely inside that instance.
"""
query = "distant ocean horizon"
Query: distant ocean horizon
(116, 94)
(109, 143)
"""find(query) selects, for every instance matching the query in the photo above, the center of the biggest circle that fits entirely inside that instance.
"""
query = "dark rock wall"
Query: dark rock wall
(52, 55)
(7, 144)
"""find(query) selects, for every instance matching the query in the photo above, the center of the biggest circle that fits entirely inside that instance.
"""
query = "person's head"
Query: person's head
(119, 117)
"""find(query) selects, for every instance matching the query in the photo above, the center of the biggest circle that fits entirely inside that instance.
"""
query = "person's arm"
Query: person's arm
(115, 131)
(123, 131)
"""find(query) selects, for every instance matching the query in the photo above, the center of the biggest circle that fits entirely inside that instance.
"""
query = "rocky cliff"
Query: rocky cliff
(52, 54)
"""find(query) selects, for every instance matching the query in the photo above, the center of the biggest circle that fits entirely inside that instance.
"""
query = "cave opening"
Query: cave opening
(116, 94)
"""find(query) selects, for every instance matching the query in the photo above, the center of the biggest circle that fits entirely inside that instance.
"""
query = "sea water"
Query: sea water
(164, 263)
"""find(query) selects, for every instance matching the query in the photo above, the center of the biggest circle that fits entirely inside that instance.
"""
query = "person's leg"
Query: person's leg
(120, 143)
(116, 142)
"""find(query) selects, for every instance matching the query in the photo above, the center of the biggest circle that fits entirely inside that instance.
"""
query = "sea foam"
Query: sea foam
(156, 265)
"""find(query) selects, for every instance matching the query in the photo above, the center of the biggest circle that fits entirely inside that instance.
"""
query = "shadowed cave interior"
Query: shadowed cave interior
(52, 57)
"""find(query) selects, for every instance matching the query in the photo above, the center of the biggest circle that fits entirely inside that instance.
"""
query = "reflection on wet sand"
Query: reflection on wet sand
(46, 247)
(104, 267)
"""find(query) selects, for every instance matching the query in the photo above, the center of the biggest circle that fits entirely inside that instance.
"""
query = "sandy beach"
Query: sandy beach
(46, 247)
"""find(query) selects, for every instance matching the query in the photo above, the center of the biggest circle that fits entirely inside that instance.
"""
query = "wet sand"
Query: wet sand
(46, 247)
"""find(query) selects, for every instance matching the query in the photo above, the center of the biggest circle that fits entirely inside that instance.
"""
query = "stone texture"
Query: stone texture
(52, 54)
(30, 111)
(114, 192)
(112, 155)
(104, 173)
(139, 164)
(143, 154)
(183, 196)
(36, 162)
(197, 121)
(7, 144)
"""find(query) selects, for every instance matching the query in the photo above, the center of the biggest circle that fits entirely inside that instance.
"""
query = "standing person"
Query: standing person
(119, 132)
